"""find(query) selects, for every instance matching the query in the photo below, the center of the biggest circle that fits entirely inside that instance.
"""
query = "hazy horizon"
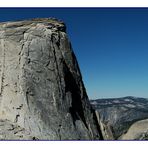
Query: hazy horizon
(111, 46)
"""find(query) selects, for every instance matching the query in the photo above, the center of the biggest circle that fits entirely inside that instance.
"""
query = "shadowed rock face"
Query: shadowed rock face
(41, 88)
(118, 114)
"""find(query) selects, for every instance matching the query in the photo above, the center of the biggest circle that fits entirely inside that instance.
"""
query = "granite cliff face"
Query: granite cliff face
(42, 95)
(122, 118)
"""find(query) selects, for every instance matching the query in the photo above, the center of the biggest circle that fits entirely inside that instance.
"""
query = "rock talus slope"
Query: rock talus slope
(41, 88)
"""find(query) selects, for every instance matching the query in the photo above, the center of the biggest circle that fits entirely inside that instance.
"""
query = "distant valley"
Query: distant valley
(122, 118)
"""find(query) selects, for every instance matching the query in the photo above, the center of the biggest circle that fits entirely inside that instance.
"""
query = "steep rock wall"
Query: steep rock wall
(41, 88)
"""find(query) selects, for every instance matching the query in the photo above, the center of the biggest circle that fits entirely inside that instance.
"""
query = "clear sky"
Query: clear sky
(111, 46)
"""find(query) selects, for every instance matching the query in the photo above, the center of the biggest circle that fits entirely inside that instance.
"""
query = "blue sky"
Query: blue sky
(111, 46)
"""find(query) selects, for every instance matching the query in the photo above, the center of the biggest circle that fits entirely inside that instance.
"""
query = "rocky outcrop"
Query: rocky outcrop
(119, 117)
(137, 131)
(41, 88)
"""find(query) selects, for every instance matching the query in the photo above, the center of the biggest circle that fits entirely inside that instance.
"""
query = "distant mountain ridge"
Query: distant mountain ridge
(105, 102)
(118, 114)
